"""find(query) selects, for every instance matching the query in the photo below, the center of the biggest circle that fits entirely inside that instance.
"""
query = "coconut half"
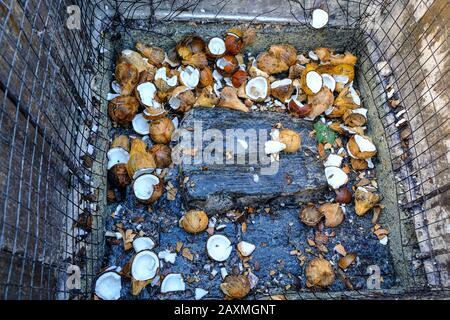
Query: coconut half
(144, 265)
(314, 81)
(216, 47)
(146, 92)
(144, 186)
(282, 89)
(117, 156)
(336, 177)
(190, 77)
(141, 125)
(245, 248)
(143, 243)
(257, 89)
(219, 248)
(319, 19)
(173, 282)
(108, 286)
(329, 81)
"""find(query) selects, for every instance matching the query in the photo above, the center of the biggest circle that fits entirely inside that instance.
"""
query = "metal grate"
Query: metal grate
(53, 126)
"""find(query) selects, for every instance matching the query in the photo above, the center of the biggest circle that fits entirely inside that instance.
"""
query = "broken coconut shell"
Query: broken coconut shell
(161, 130)
(229, 99)
(162, 155)
(235, 287)
(194, 221)
(291, 139)
(361, 147)
(127, 76)
(319, 273)
(347, 260)
(333, 213)
(365, 200)
(122, 109)
(282, 89)
(140, 160)
(310, 215)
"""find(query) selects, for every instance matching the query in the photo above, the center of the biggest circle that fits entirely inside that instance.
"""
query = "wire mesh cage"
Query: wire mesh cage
(57, 58)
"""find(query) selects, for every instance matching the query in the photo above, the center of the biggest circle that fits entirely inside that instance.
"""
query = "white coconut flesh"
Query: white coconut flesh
(333, 160)
(257, 88)
(161, 74)
(116, 87)
(142, 172)
(143, 243)
(319, 18)
(167, 256)
(200, 293)
(190, 77)
(111, 96)
(313, 56)
(314, 81)
(108, 286)
(274, 147)
(175, 101)
(364, 145)
(144, 266)
(329, 81)
(361, 111)
(173, 282)
(336, 177)
(216, 46)
(144, 186)
(340, 78)
(246, 248)
(147, 91)
(219, 248)
(116, 156)
(355, 96)
(222, 63)
(141, 125)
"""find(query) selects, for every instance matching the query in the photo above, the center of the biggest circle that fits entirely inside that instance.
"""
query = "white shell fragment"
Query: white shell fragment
(116, 156)
(190, 77)
(333, 160)
(108, 286)
(143, 186)
(273, 147)
(364, 144)
(257, 89)
(219, 248)
(319, 19)
(167, 256)
(355, 96)
(147, 91)
(141, 125)
(245, 248)
(314, 81)
(173, 282)
(216, 46)
(329, 81)
(336, 177)
(116, 87)
(144, 266)
(143, 243)
(200, 293)
(161, 73)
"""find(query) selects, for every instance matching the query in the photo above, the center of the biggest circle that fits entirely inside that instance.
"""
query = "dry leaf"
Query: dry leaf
(339, 248)
(187, 254)
(179, 246)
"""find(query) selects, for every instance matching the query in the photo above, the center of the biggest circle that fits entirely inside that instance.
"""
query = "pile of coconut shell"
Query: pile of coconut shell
(153, 88)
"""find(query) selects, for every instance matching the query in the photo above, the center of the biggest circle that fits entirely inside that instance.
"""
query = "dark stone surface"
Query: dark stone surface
(219, 187)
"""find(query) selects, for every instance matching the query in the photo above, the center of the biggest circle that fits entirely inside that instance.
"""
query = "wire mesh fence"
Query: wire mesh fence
(54, 57)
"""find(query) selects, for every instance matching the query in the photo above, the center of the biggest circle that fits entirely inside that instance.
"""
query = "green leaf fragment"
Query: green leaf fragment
(323, 133)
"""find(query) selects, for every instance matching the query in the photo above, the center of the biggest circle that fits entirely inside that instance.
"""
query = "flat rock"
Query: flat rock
(237, 176)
